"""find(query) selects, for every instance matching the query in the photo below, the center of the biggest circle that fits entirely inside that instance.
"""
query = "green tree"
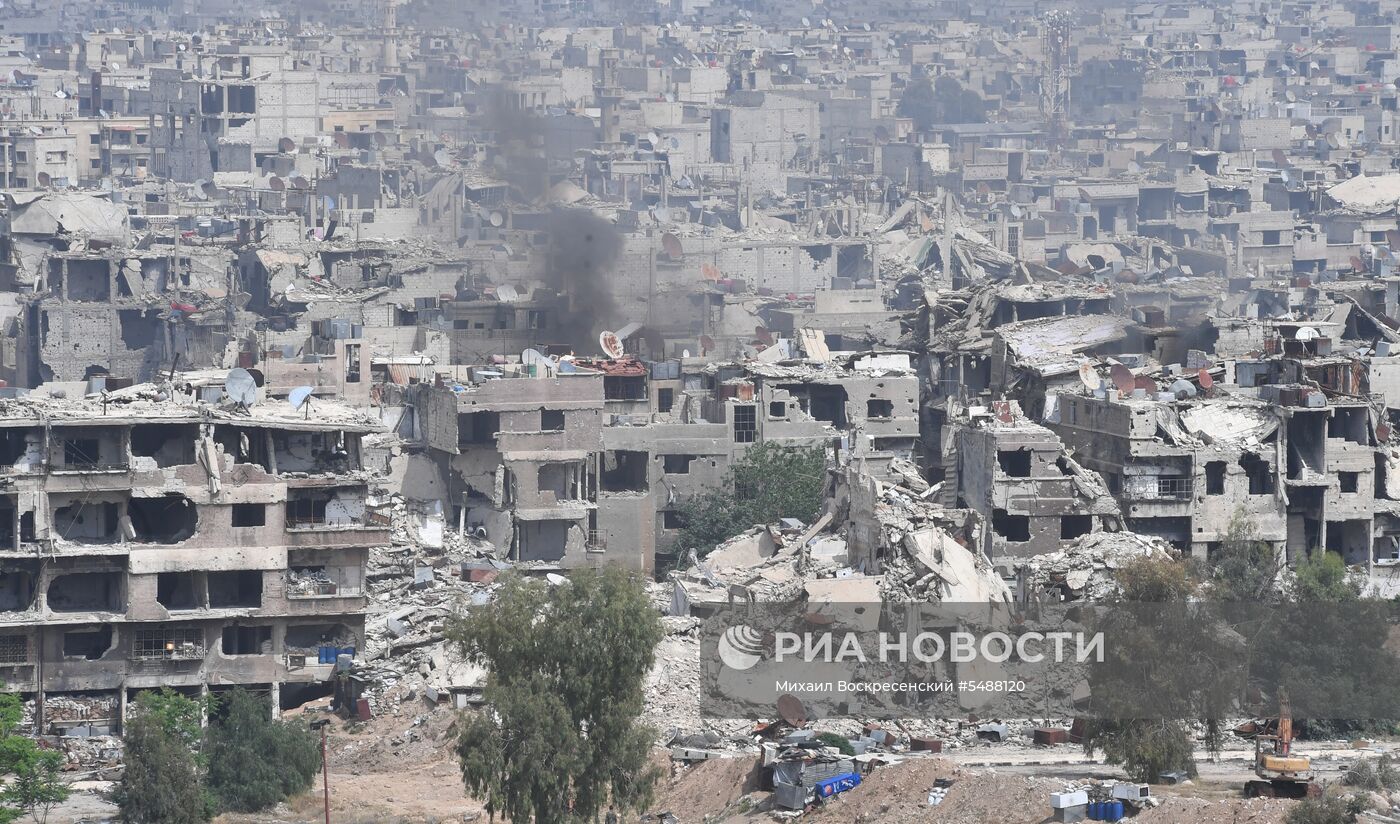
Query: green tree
(254, 761)
(1323, 577)
(566, 669)
(1145, 748)
(163, 782)
(34, 787)
(1245, 568)
(769, 482)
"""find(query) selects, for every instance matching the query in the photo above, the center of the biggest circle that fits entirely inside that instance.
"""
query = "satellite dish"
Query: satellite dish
(530, 357)
(241, 387)
(300, 399)
(1122, 378)
(1204, 378)
(707, 344)
(1306, 333)
(685, 353)
(498, 219)
(671, 245)
(277, 184)
(790, 709)
(611, 344)
(1145, 383)
(286, 144)
(506, 293)
(806, 22)
(1089, 376)
(1183, 389)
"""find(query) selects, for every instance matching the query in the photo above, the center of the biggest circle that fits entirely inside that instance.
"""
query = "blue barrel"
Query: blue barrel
(1114, 812)
(1093, 811)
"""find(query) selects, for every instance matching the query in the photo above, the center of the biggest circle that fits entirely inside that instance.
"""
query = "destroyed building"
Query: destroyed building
(152, 540)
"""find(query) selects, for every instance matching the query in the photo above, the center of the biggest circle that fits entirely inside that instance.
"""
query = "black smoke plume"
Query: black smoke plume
(583, 251)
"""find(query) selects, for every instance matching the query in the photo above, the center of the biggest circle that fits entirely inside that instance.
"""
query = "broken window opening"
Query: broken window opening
(86, 592)
(248, 515)
(80, 453)
(236, 589)
(665, 399)
(83, 522)
(542, 540)
(624, 387)
(745, 423)
(352, 363)
(323, 580)
(89, 281)
(89, 644)
(1014, 528)
(562, 481)
(333, 508)
(178, 590)
(551, 420)
(828, 403)
(1073, 526)
(676, 464)
(672, 519)
(248, 446)
(476, 428)
(1350, 424)
(1014, 463)
(777, 409)
(1215, 478)
(169, 444)
(315, 451)
(17, 588)
(139, 329)
(307, 639)
(20, 448)
(879, 409)
(256, 640)
(1259, 472)
(168, 519)
(1348, 481)
(625, 471)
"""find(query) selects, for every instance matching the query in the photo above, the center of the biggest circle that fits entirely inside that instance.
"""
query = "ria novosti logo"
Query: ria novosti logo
(740, 647)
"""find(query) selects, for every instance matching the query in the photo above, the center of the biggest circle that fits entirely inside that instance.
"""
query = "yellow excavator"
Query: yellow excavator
(1281, 773)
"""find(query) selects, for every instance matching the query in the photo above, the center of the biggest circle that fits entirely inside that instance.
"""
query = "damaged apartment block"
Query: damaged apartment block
(172, 544)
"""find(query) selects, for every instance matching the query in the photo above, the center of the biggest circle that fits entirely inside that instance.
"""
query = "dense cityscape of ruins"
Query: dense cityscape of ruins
(319, 316)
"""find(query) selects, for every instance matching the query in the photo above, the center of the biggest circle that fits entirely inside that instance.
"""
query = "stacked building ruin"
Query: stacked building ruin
(521, 281)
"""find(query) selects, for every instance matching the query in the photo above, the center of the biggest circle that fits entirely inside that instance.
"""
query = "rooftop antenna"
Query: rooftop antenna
(300, 399)
(242, 388)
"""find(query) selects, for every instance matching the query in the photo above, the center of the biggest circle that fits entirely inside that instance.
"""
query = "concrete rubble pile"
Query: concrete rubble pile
(1086, 570)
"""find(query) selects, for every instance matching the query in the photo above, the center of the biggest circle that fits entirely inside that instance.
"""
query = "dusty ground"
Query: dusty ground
(400, 769)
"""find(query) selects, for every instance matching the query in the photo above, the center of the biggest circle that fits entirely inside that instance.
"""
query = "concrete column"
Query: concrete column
(275, 694)
(121, 707)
